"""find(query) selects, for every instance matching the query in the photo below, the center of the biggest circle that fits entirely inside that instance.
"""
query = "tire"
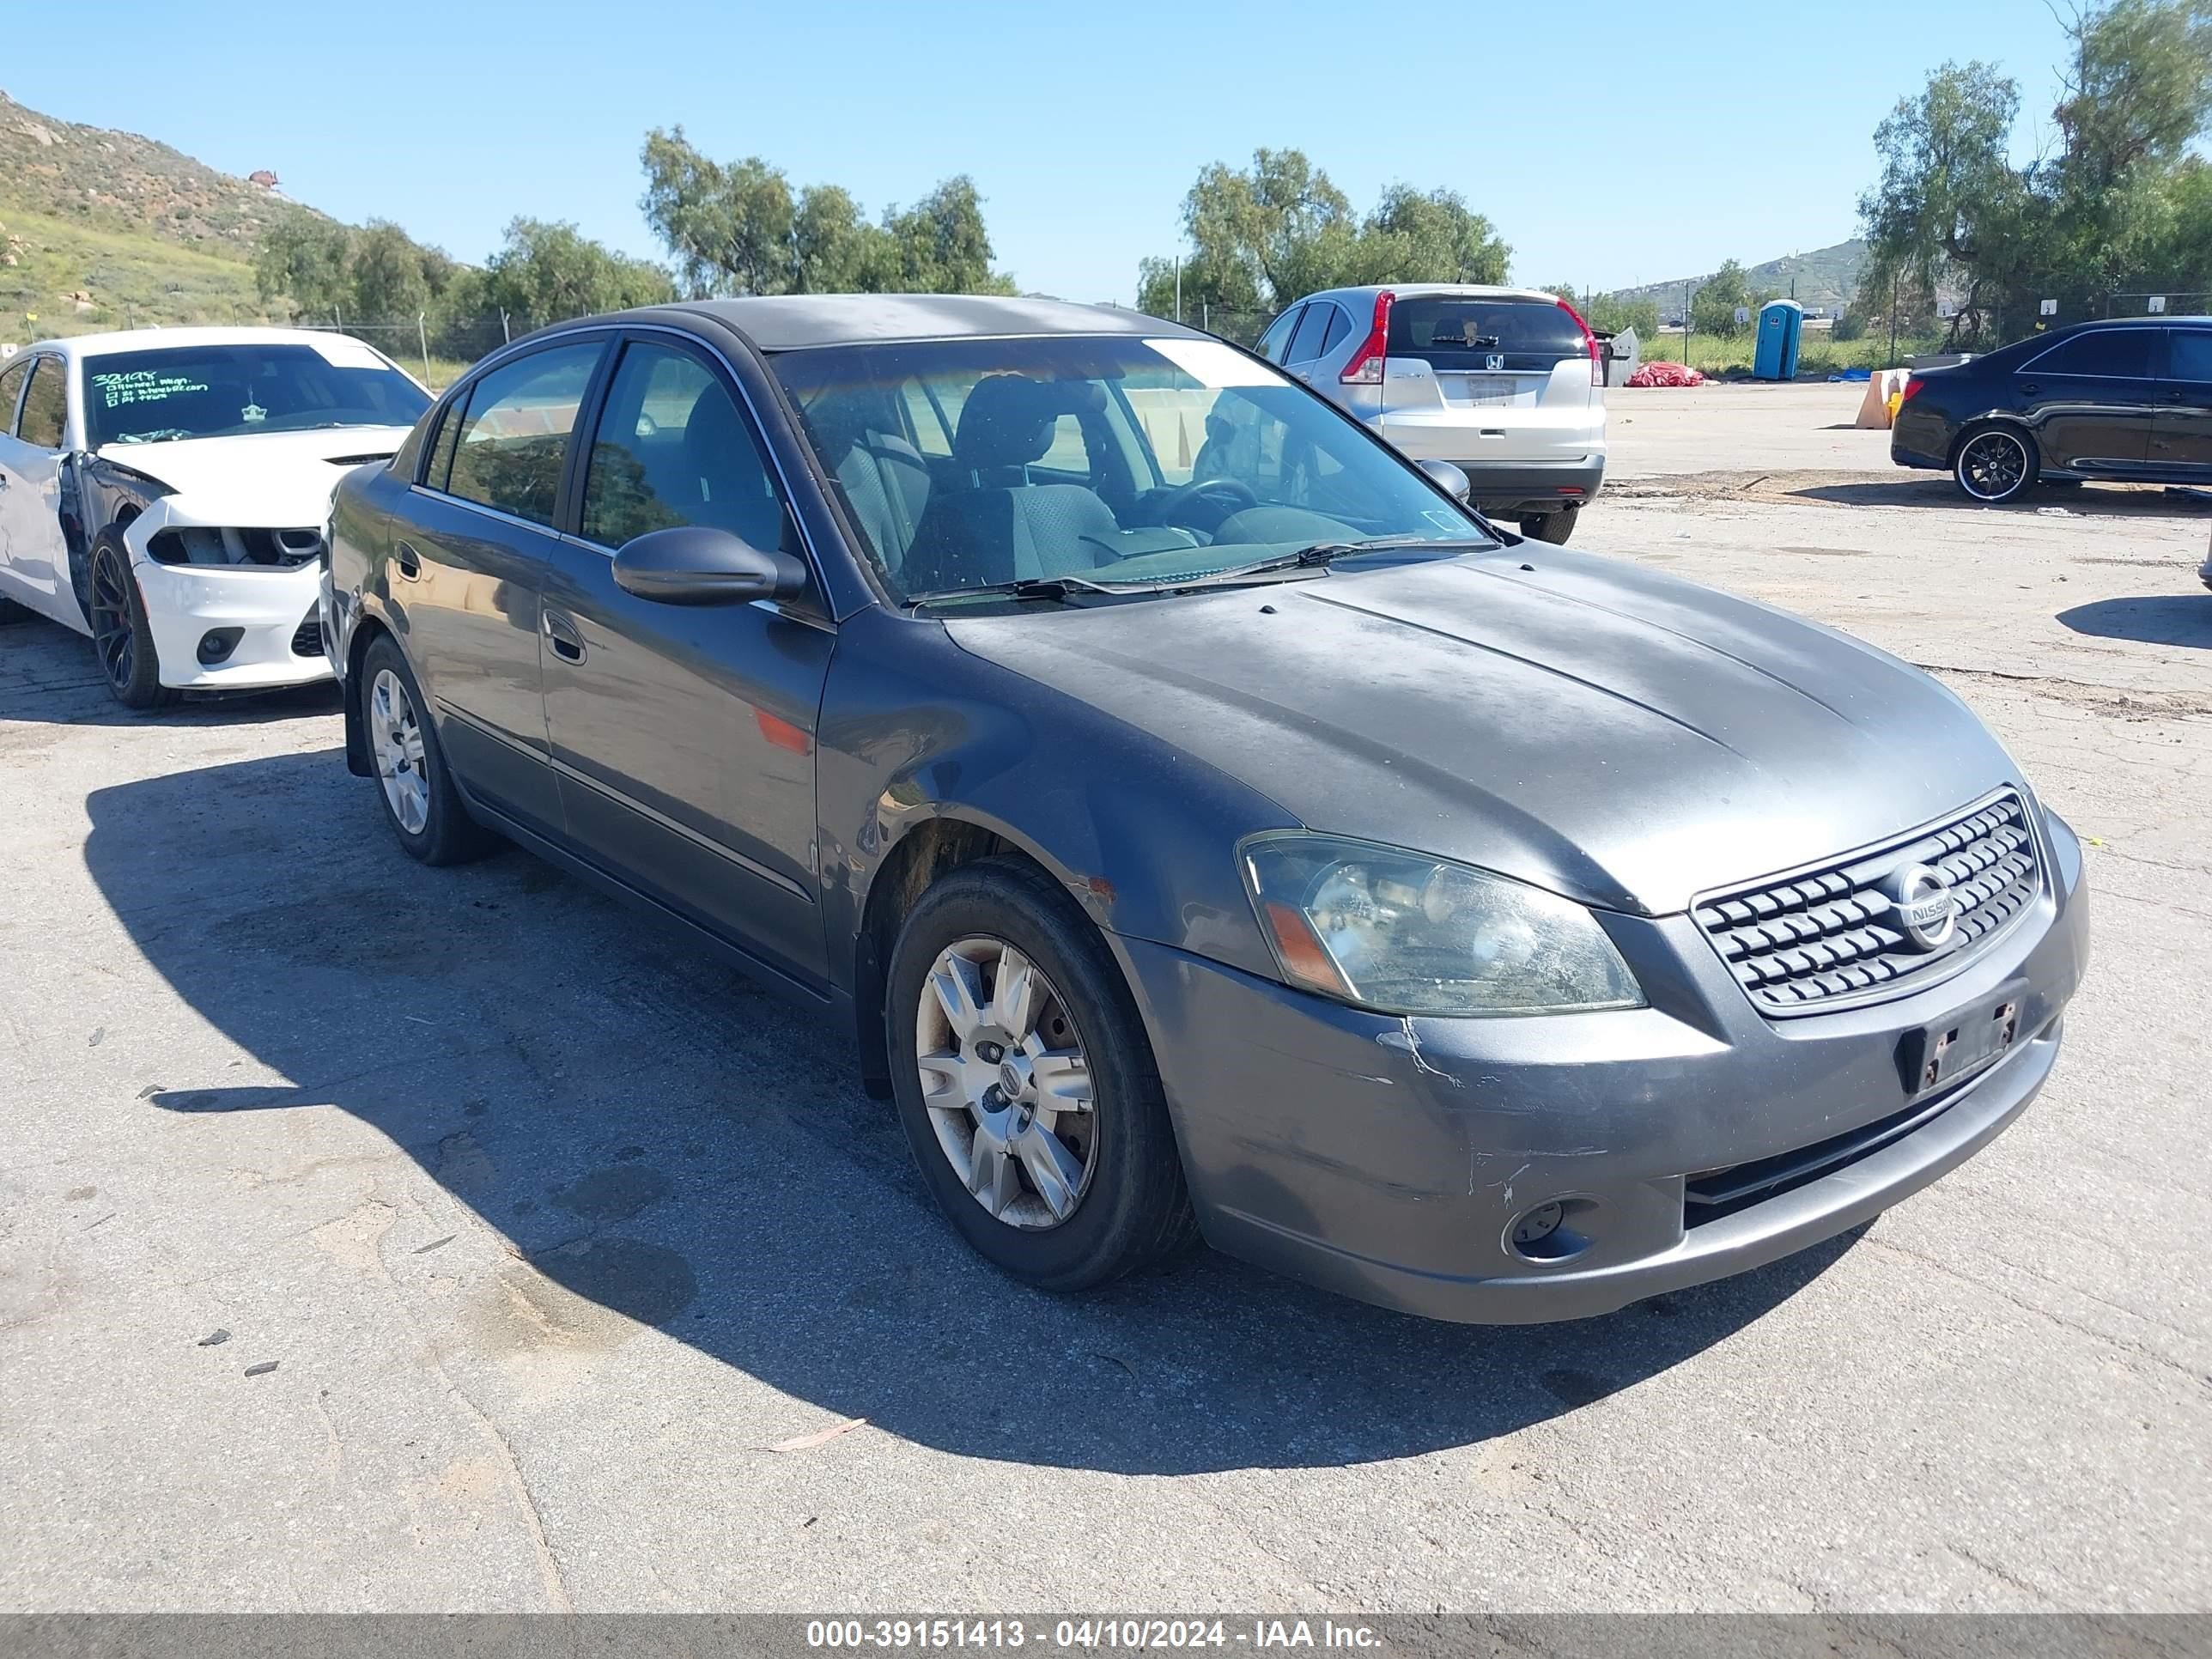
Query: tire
(421, 803)
(1128, 1207)
(1994, 464)
(1553, 527)
(122, 642)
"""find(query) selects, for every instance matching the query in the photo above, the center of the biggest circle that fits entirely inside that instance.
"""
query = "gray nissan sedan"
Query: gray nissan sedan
(1206, 824)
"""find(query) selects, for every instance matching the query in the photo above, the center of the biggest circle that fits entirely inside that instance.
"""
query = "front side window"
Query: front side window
(1277, 335)
(11, 388)
(514, 438)
(235, 391)
(2122, 354)
(673, 448)
(2189, 355)
(1195, 459)
(45, 405)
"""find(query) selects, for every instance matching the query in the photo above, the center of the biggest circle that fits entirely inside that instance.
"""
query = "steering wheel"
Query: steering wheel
(1230, 494)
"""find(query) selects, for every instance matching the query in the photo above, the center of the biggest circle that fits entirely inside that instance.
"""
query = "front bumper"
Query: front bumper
(274, 611)
(1388, 1158)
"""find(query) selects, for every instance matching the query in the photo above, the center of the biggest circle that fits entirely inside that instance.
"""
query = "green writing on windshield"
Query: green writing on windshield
(144, 386)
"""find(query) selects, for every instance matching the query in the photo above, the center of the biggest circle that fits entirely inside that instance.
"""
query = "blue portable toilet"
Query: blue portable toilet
(1781, 324)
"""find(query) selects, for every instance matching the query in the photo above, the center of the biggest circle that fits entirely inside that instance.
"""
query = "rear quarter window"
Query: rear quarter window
(1448, 332)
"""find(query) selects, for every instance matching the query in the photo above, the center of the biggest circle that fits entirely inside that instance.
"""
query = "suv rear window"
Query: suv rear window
(1448, 332)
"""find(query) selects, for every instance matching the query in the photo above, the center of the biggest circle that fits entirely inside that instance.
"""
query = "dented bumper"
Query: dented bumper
(1389, 1159)
(230, 625)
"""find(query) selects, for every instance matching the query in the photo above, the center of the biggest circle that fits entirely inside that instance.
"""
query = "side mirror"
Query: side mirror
(1450, 479)
(695, 564)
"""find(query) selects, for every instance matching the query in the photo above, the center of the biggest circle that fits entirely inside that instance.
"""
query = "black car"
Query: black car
(1203, 821)
(2129, 401)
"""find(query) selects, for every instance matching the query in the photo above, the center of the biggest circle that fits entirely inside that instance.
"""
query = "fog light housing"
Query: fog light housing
(217, 643)
(1542, 1233)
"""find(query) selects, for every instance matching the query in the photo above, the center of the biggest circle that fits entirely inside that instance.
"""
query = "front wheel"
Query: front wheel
(122, 639)
(1994, 464)
(1026, 1085)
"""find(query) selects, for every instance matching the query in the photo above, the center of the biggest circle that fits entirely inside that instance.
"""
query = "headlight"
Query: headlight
(1401, 932)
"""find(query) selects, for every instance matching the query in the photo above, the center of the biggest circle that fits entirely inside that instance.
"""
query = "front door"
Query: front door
(467, 566)
(2181, 433)
(2091, 398)
(34, 557)
(684, 735)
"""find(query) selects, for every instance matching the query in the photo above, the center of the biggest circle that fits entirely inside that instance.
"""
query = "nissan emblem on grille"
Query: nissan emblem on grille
(1880, 921)
(1927, 910)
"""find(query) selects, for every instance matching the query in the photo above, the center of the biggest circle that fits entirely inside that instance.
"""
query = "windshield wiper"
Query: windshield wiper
(1326, 553)
(1056, 588)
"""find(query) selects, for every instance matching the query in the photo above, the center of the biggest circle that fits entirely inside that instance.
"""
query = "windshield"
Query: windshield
(970, 464)
(223, 390)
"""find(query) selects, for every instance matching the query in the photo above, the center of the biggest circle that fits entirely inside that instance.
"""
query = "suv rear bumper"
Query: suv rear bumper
(1530, 487)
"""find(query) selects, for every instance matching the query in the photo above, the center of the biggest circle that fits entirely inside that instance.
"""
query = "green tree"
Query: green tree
(736, 228)
(388, 274)
(547, 272)
(1262, 236)
(304, 259)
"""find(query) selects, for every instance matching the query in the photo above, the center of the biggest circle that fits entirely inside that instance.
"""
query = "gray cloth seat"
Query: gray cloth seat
(886, 482)
(1000, 527)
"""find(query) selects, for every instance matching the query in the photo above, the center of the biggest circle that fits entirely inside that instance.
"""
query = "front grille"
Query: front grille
(1831, 935)
(307, 637)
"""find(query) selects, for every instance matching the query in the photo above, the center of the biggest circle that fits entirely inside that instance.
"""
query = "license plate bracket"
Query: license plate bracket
(1951, 1050)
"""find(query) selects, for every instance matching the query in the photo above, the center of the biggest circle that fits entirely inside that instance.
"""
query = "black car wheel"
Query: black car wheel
(1026, 1084)
(1994, 464)
(1553, 527)
(121, 639)
(421, 803)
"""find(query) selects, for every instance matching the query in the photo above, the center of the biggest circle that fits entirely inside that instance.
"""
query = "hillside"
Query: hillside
(103, 229)
(1824, 278)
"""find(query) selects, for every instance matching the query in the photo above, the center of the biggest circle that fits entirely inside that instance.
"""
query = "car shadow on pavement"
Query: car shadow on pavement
(2151, 619)
(654, 1139)
(1936, 490)
(48, 677)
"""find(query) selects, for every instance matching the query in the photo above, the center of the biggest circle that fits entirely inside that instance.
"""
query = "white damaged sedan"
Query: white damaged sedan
(165, 491)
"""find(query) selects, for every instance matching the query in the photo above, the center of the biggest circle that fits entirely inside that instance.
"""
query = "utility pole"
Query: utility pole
(422, 336)
(1178, 287)
(1892, 322)
(1685, 324)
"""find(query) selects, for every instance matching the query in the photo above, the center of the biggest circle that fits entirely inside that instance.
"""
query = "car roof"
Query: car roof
(1422, 290)
(79, 346)
(790, 322)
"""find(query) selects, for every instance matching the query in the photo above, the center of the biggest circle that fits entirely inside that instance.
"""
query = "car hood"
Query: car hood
(1621, 736)
(278, 480)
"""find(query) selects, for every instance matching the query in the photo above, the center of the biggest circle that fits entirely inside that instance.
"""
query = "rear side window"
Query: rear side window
(1339, 325)
(45, 405)
(1450, 333)
(673, 449)
(2189, 355)
(1305, 345)
(11, 387)
(516, 435)
(2121, 353)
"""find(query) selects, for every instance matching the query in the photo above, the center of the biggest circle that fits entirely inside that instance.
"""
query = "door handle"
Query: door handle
(2030, 387)
(561, 633)
(409, 562)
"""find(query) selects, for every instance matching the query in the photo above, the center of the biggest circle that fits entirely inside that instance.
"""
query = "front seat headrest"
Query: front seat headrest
(1008, 420)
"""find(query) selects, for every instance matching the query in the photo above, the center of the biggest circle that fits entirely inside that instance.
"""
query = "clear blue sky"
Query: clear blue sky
(1611, 145)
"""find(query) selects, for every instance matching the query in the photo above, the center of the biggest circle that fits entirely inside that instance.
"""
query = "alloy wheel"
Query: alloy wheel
(113, 639)
(395, 735)
(1993, 466)
(1006, 1083)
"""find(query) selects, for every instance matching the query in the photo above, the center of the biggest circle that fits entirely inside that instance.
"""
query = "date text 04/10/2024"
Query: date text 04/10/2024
(1086, 1635)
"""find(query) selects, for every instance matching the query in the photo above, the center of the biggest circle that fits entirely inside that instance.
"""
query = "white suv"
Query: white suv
(1507, 384)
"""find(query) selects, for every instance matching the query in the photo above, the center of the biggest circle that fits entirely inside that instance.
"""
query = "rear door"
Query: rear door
(684, 735)
(1472, 378)
(2181, 431)
(2092, 399)
(32, 450)
(470, 561)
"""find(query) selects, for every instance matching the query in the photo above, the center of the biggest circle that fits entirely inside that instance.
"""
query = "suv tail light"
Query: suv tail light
(1912, 390)
(1589, 344)
(1365, 368)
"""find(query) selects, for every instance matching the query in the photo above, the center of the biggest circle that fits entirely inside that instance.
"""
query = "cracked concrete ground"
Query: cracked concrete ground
(554, 1230)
